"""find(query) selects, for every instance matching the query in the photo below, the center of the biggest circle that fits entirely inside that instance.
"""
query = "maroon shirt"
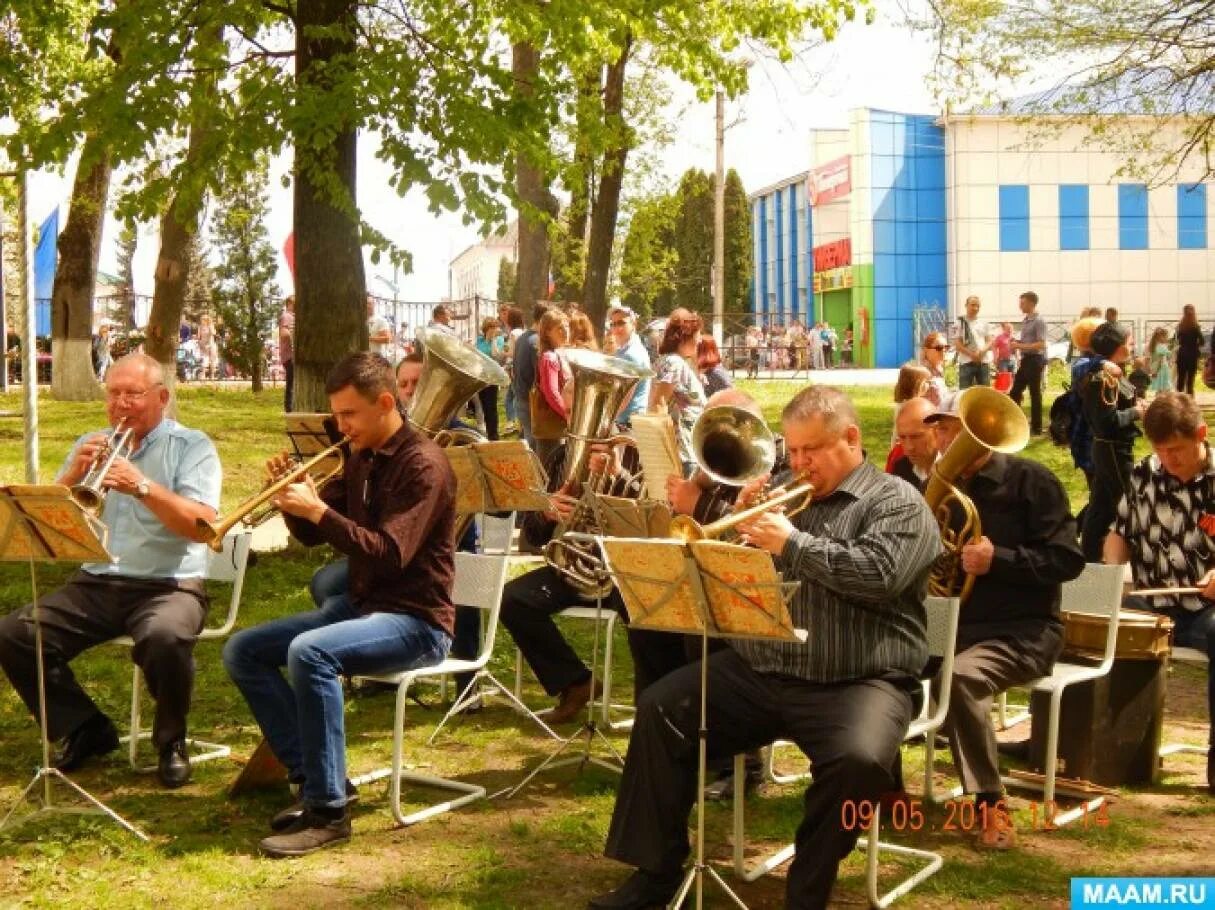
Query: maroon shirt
(392, 512)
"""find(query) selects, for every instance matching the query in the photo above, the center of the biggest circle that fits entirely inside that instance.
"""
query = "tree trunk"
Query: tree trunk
(571, 280)
(607, 200)
(330, 286)
(72, 376)
(531, 268)
(177, 226)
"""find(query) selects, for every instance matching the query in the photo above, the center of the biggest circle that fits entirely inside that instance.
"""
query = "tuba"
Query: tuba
(733, 446)
(991, 422)
(452, 373)
(602, 386)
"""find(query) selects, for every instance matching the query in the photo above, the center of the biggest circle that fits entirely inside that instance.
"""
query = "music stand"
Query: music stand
(716, 590)
(42, 524)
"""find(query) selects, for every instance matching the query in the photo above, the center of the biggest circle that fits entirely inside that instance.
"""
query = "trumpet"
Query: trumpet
(90, 492)
(688, 529)
(257, 508)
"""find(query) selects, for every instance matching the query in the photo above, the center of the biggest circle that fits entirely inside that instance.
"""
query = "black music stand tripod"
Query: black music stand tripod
(714, 590)
(42, 524)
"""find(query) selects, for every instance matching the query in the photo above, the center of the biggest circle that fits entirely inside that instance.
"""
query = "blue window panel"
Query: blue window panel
(931, 205)
(883, 170)
(778, 226)
(884, 270)
(883, 236)
(1132, 216)
(794, 302)
(763, 255)
(906, 265)
(931, 269)
(1192, 216)
(889, 349)
(1073, 217)
(1014, 218)
(930, 237)
(907, 298)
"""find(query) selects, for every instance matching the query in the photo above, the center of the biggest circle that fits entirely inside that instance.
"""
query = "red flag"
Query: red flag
(289, 253)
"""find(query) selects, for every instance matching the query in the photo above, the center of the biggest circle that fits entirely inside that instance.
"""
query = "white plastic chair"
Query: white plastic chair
(942, 635)
(497, 534)
(227, 566)
(479, 582)
(1186, 655)
(1096, 592)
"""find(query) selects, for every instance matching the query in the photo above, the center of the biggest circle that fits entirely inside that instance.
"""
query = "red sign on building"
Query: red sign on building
(831, 181)
(833, 255)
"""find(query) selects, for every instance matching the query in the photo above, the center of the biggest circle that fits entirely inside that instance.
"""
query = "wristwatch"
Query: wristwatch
(143, 488)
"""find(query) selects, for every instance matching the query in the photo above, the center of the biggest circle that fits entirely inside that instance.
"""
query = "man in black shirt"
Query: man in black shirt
(1009, 631)
(523, 370)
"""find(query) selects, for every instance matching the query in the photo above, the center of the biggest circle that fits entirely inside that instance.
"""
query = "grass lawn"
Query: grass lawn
(539, 850)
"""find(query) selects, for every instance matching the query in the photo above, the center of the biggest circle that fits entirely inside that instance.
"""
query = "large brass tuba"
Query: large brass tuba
(602, 386)
(733, 446)
(452, 373)
(991, 422)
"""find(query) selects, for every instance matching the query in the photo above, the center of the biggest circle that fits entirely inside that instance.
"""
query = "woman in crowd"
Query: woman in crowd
(490, 344)
(1158, 361)
(582, 332)
(550, 414)
(932, 357)
(514, 323)
(1189, 344)
(713, 375)
(677, 387)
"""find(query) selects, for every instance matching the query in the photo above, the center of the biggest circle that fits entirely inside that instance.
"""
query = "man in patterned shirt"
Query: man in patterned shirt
(862, 551)
(1165, 526)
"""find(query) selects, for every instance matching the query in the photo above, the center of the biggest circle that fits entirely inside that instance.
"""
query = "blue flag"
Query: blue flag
(44, 270)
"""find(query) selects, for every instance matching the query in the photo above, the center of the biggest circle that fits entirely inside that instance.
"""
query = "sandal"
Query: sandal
(997, 835)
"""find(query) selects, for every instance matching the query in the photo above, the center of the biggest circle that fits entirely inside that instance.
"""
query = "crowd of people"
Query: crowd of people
(797, 347)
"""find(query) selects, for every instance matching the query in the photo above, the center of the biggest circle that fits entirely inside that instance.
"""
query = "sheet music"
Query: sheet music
(659, 452)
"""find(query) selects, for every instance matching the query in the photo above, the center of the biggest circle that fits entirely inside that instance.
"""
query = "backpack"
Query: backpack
(1063, 412)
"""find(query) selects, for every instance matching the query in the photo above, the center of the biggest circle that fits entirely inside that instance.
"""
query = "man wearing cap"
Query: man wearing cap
(1112, 412)
(622, 323)
(918, 440)
(1009, 631)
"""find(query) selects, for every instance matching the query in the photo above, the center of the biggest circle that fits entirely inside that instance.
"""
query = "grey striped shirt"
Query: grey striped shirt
(862, 555)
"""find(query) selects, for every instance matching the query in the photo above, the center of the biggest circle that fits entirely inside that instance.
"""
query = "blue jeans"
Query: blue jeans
(971, 373)
(509, 404)
(1196, 629)
(301, 714)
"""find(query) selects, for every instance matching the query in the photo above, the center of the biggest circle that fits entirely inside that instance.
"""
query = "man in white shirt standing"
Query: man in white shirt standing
(379, 334)
(970, 340)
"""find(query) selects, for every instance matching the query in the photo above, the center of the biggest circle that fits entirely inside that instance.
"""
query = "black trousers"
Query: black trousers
(528, 606)
(1029, 376)
(489, 408)
(162, 616)
(289, 386)
(1111, 473)
(850, 731)
(1187, 369)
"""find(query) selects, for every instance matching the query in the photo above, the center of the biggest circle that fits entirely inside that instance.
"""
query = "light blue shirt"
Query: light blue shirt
(184, 461)
(634, 352)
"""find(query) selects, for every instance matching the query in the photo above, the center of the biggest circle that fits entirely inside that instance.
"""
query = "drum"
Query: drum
(1141, 635)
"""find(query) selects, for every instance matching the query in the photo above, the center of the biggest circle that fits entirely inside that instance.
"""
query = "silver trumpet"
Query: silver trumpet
(90, 492)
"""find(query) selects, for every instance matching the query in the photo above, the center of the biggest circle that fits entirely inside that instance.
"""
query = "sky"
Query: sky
(881, 65)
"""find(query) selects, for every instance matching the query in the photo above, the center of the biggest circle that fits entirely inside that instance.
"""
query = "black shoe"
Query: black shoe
(639, 891)
(296, 810)
(96, 736)
(173, 770)
(312, 831)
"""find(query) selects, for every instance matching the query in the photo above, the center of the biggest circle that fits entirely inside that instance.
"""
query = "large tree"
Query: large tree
(648, 259)
(740, 255)
(1146, 58)
(692, 237)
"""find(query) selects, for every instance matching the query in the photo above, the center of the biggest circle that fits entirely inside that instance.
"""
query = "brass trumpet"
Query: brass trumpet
(688, 529)
(257, 508)
(90, 492)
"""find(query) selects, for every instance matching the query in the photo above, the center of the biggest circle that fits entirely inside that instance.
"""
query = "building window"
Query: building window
(1073, 217)
(1192, 216)
(1132, 216)
(1014, 218)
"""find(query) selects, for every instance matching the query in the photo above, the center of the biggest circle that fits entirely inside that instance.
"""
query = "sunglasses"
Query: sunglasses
(938, 347)
(619, 323)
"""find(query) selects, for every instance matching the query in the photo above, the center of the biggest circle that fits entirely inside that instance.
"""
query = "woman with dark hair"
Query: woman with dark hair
(677, 387)
(550, 414)
(1189, 344)
(708, 361)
